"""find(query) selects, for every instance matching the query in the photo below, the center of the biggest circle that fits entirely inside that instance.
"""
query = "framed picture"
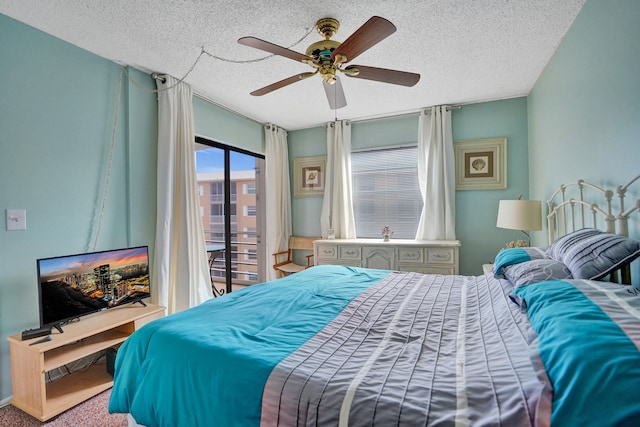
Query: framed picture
(308, 176)
(481, 164)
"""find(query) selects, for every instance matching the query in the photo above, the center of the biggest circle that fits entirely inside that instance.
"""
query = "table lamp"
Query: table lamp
(523, 215)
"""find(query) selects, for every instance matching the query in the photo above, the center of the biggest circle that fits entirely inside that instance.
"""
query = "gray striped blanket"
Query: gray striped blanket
(416, 350)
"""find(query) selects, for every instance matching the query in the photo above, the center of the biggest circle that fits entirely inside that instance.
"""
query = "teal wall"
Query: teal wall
(56, 115)
(220, 125)
(57, 108)
(584, 110)
(475, 210)
(305, 211)
(384, 132)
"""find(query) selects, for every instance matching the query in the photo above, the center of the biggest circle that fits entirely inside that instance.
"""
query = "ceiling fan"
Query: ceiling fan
(329, 58)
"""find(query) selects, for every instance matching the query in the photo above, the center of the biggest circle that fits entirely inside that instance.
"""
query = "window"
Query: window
(250, 211)
(249, 188)
(217, 213)
(251, 232)
(217, 191)
(385, 191)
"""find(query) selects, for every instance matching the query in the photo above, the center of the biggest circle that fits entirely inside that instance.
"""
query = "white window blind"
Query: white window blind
(386, 192)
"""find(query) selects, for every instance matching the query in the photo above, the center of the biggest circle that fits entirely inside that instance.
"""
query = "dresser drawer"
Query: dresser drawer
(327, 251)
(352, 253)
(409, 255)
(441, 255)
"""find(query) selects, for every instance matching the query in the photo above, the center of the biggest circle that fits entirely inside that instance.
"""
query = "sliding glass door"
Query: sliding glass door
(229, 184)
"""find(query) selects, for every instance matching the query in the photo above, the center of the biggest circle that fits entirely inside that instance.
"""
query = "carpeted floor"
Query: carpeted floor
(91, 413)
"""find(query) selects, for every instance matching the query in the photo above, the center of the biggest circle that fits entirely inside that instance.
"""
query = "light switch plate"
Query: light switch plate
(16, 219)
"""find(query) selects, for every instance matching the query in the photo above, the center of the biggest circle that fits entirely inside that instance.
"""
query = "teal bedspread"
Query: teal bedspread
(225, 387)
(432, 349)
(589, 340)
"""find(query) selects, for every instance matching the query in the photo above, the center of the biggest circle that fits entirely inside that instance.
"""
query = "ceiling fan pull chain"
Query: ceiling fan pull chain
(249, 61)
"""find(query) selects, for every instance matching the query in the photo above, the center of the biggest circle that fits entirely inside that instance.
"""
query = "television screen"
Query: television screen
(72, 286)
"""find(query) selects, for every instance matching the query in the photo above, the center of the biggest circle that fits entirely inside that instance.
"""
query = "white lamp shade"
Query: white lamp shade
(520, 215)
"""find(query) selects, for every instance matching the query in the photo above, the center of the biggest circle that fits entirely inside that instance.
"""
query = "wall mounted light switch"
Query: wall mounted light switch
(16, 219)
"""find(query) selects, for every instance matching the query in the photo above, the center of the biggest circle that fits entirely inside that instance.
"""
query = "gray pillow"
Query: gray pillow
(537, 270)
(592, 254)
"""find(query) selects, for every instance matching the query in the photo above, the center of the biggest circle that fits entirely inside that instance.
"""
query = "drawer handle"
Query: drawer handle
(328, 252)
(441, 256)
(351, 252)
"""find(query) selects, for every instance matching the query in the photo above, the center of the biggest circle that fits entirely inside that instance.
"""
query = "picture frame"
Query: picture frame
(481, 164)
(309, 176)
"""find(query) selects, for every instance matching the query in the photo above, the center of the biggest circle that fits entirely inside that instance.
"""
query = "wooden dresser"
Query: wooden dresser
(422, 256)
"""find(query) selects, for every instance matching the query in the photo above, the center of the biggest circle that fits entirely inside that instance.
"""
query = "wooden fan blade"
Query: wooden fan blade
(274, 48)
(335, 94)
(373, 31)
(384, 75)
(282, 83)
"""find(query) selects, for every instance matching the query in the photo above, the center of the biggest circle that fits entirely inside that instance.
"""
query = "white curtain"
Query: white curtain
(180, 268)
(278, 196)
(337, 206)
(436, 175)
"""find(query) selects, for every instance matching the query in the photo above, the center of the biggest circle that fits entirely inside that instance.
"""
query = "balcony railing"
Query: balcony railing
(244, 259)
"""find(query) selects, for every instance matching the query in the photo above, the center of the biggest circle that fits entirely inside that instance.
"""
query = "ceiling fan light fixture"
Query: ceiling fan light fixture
(328, 73)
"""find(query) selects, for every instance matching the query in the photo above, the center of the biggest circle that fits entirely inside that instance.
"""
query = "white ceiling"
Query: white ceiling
(465, 50)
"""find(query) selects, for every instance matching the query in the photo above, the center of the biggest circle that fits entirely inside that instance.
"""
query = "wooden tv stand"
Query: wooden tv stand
(91, 334)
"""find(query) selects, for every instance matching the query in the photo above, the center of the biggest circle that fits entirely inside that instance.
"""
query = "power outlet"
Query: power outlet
(16, 219)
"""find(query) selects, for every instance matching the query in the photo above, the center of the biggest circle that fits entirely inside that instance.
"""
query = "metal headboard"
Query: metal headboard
(623, 215)
(581, 204)
(567, 214)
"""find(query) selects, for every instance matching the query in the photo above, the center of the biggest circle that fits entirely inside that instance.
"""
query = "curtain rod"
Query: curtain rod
(401, 114)
(210, 101)
(161, 78)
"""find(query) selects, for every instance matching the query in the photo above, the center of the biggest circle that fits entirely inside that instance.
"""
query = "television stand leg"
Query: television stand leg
(141, 302)
(59, 328)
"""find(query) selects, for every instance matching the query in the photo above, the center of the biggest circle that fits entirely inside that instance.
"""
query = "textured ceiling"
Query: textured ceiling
(465, 50)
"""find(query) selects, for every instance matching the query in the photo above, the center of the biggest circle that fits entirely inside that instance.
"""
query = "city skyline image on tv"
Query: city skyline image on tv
(75, 285)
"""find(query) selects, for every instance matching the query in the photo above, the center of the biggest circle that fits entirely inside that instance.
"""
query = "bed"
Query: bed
(546, 338)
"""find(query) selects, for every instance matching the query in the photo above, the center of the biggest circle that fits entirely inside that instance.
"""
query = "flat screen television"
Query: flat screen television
(73, 286)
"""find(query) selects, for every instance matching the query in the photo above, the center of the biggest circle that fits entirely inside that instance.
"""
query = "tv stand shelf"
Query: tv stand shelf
(93, 333)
